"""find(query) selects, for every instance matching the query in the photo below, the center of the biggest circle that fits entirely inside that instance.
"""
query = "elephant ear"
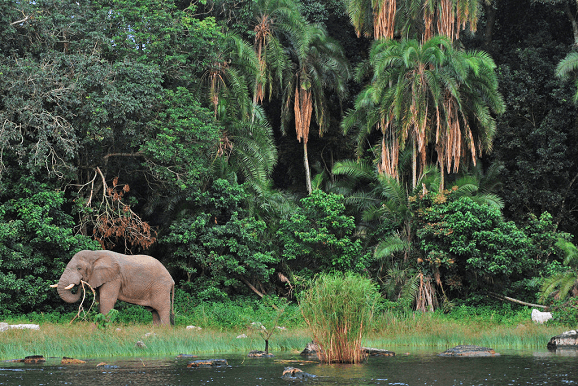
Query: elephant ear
(104, 269)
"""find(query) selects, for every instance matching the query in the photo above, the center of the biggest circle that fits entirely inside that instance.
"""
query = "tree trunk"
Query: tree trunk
(414, 165)
(442, 177)
(572, 18)
(307, 171)
(490, 11)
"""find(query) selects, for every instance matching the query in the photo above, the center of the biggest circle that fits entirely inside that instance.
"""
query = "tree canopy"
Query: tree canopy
(445, 169)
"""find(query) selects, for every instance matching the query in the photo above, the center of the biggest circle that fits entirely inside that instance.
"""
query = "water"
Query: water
(422, 368)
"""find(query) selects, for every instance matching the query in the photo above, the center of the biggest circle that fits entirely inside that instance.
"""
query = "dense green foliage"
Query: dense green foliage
(35, 233)
(319, 237)
(182, 130)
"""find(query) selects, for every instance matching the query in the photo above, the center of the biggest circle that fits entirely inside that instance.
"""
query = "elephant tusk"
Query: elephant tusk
(53, 285)
(69, 286)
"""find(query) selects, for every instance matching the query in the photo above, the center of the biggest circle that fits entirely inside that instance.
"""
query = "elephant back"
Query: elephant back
(143, 263)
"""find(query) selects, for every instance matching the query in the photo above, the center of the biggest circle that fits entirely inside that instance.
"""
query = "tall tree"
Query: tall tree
(319, 67)
(275, 20)
(426, 93)
(228, 76)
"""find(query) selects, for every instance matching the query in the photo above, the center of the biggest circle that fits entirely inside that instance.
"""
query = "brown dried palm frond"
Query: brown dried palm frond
(389, 150)
(263, 31)
(384, 19)
(303, 107)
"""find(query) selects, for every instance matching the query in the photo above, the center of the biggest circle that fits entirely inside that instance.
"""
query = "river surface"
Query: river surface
(421, 368)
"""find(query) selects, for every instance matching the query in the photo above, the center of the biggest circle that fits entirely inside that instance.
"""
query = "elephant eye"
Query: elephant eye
(78, 268)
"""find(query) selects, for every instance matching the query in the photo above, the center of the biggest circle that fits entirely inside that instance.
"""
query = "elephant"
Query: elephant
(136, 279)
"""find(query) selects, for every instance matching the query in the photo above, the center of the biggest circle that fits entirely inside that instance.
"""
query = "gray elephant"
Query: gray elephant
(137, 279)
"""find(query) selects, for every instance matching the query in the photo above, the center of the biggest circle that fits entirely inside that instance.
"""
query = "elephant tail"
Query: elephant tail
(172, 316)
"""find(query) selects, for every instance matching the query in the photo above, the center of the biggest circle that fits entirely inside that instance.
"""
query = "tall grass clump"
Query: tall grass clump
(338, 308)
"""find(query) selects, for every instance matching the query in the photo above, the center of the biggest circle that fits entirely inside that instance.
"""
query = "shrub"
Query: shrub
(565, 312)
(338, 308)
(320, 237)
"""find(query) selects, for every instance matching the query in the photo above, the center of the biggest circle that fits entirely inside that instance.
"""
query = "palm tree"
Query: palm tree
(415, 18)
(480, 186)
(319, 66)
(387, 199)
(227, 77)
(405, 88)
(249, 149)
(470, 97)
(275, 19)
(448, 17)
(562, 283)
(372, 17)
(424, 93)
(567, 67)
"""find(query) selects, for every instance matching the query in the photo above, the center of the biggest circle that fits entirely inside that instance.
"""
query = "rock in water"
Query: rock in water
(293, 374)
(469, 351)
(566, 340)
(34, 359)
(311, 349)
(208, 363)
(259, 354)
(71, 361)
(378, 352)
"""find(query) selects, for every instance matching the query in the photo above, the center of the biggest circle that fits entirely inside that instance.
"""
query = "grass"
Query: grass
(490, 327)
(82, 340)
(437, 331)
(338, 308)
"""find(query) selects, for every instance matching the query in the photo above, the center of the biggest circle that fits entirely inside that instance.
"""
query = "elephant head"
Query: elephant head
(93, 267)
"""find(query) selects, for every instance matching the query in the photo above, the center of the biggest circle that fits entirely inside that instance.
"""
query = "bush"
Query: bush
(338, 308)
(565, 313)
(36, 242)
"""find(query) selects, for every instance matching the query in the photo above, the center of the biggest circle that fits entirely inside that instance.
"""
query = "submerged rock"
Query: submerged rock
(31, 359)
(187, 356)
(293, 373)
(208, 363)
(469, 351)
(34, 359)
(378, 352)
(566, 340)
(71, 361)
(312, 348)
(106, 366)
(259, 354)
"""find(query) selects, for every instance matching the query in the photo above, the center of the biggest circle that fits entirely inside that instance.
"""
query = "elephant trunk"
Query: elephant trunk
(64, 286)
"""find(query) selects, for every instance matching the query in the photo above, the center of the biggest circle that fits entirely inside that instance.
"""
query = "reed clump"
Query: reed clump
(338, 308)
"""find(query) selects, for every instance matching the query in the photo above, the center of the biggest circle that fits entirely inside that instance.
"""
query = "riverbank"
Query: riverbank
(436, 331)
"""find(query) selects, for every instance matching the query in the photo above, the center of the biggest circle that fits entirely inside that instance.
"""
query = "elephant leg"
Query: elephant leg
(165, 316)
(156, 318)
(162, 306)
(108, 294)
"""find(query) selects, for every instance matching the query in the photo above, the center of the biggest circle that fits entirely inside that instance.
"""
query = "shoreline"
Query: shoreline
(84, 340)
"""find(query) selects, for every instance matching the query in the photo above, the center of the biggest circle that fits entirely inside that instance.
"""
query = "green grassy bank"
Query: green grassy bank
(82, 341)
(500, 329)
